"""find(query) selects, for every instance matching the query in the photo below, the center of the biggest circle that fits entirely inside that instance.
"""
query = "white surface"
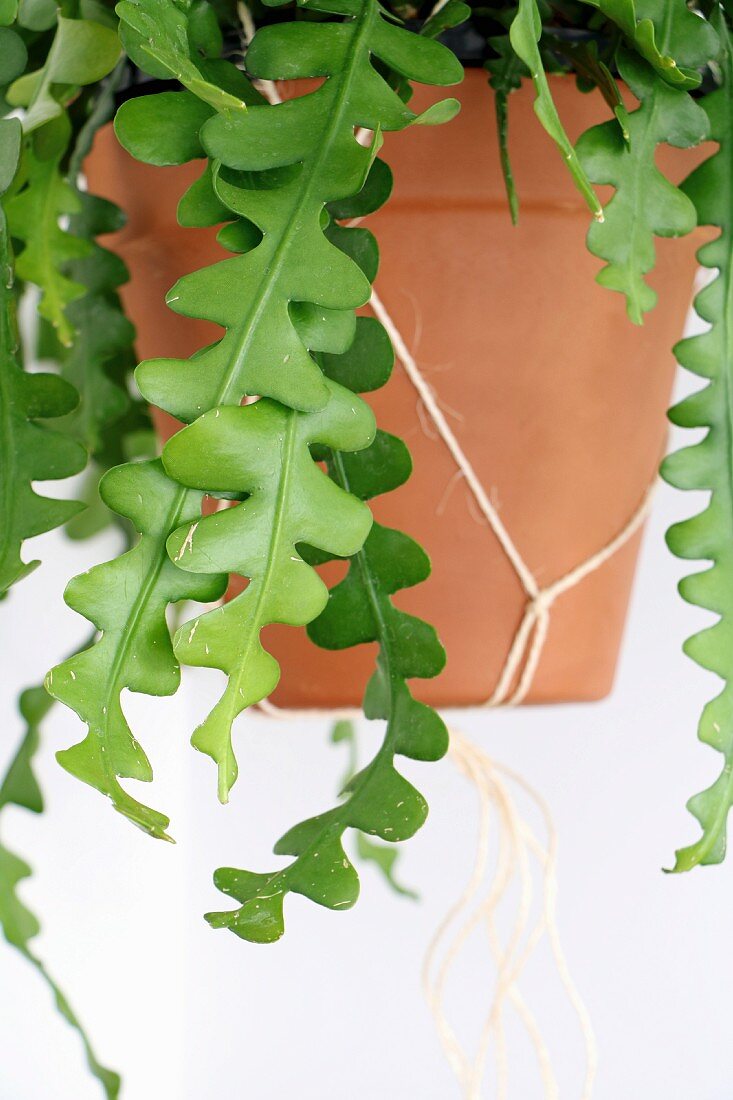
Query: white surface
(334, 1011)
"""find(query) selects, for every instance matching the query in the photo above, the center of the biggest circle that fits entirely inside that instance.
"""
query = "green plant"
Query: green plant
(300, 463)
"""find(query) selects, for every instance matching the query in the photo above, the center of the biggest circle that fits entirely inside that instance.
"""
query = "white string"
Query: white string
(529, 641)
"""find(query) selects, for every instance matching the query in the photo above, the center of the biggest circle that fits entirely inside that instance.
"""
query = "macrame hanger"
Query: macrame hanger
(526, 649)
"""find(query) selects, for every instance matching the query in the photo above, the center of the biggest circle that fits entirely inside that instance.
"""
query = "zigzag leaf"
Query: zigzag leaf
(261, 450)
(309, 143)
(103, 333)
(29, 451)
(157, 35)
(706, 465)
(34, 215)
(111, 425)
(382, 856)
(126, 599)
(676, 60)
(20, 788)
(646, 204)
(378, 800)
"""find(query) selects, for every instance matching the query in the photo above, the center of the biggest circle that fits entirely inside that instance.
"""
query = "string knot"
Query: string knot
(542, 601)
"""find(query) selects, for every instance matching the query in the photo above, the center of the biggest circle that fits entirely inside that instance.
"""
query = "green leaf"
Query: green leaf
(19, 787)
(164, 131)
(158, 31)
(677, 59)
(29, 451)
(200, 206)
(506, 73)
(525, 33)
(292, 284)
(82, 53)
(706, 465)
(382, 856)
(261, 450)
(13, 55)
(645, 204)
(98, 363)
(10, 138)
(34, 214)
(126, 600)
(448, 16)
(379, 800)
(37, 15)
(8, 12)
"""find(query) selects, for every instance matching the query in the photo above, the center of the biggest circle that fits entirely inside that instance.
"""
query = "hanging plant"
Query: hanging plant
(270, 471)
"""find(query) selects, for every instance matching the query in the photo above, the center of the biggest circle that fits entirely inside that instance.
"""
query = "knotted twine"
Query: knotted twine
(516, 841)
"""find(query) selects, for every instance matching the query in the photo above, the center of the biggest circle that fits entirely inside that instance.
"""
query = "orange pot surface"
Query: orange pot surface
(557, 399)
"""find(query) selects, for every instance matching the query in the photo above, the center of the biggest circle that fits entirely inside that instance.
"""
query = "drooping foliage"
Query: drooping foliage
(646, 204)
(706, 465)
(377, 801)
(665, 33)
(29, 450)
(298, 463)
(19, 925)
(290, 291)
(261, 450)
(383, 857)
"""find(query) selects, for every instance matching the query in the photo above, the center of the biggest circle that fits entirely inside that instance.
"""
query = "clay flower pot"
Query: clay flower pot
(556, 398)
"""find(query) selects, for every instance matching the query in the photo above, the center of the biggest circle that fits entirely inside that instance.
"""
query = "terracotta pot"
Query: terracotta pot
(558, 400)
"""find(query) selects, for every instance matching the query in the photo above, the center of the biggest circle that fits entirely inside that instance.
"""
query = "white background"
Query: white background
(334, 1011)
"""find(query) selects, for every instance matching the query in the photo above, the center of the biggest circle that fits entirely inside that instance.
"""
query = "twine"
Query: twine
(517, 843)
(530, 638)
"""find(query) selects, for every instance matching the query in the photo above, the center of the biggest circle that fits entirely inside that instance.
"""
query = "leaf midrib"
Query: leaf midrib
(279, 517)
(311, 170)
(337, 818)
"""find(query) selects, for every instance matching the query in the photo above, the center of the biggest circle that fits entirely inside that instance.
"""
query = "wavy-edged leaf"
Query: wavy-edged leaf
(19, 787)
(126, 600)
(103, 333)
(677, 56)
(706, 465)
(382, 856)
(261, 352)
(379, 801)
(646, 204)
(261, 450)
(525, 33)
(35, 213)
(29, 450)
(156, 35)
(83, 51)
